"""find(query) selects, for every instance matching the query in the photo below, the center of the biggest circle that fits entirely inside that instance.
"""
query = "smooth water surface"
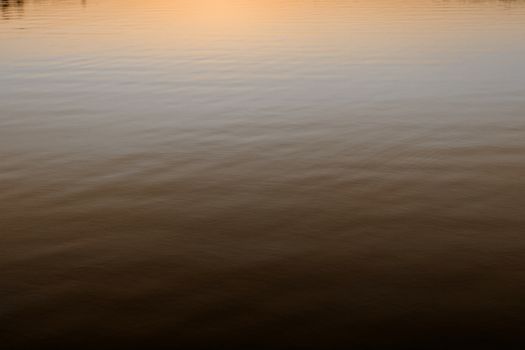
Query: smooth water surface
(262, 172)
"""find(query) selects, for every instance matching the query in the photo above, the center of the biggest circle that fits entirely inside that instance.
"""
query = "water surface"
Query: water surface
(271, 173)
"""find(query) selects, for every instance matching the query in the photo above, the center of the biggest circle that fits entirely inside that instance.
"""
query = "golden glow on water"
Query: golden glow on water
(181, 24)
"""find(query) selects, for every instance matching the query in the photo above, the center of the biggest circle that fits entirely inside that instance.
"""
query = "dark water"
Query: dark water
(249, 173)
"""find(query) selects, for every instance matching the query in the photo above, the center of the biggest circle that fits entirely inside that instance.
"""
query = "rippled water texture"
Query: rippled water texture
(262, 173)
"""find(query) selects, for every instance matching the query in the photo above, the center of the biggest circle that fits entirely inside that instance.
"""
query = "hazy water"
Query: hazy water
(272, 173)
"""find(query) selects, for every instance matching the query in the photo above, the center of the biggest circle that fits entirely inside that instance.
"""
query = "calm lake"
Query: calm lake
(262, 173)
